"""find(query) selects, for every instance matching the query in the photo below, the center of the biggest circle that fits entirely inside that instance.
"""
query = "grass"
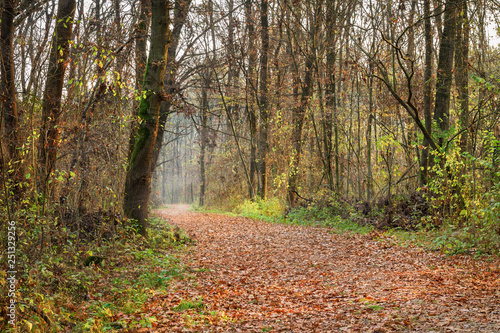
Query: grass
(189, 305)
(447, 239)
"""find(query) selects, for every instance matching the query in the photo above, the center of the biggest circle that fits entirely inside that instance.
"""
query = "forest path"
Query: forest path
(254, 276)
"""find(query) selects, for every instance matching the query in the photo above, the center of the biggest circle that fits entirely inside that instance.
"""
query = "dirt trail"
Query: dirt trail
(254, 276)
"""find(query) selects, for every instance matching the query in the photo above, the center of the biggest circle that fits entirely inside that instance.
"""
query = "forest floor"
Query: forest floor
(253, 276)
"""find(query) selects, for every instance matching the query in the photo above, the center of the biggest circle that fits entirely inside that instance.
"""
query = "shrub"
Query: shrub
(266, 209)
(484, 228)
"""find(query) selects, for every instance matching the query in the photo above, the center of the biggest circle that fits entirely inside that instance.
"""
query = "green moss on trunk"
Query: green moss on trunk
(138, 182)
(143, 134)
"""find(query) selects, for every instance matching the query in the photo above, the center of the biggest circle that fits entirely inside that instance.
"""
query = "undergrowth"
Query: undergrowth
(269, 210)
(339, 217)
(93, 286)
(406, 220)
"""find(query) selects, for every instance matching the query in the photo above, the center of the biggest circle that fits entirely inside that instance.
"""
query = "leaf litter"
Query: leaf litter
(253, 276)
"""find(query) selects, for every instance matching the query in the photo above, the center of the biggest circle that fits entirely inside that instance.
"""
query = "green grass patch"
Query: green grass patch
(189, 305)
(448, 239)
(329, 217)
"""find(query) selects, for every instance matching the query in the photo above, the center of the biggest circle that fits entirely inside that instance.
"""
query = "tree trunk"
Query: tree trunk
(181, 8)
(231, 73)
(203, 136)
(444, 71)
(461, 74)
(51, 106)
(250, 93)
(369, 176)
(331, 95)
(9, 104)
(424, 160)
(138, 181)
(264, 102)
(141, 58)
(8, 89)
(298, 122)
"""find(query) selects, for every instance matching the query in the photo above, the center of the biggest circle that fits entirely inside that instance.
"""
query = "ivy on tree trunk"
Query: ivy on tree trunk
(138, 181)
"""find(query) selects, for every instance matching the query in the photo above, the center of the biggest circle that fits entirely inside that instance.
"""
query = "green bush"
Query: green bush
(307, 216)
(484, 228)
(270, 209)
(329, 216)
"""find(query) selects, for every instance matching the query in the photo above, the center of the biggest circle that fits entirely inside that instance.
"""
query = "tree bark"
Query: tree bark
(141, 58)
(298, 123)
(250, 89)
(51, 106)
(9, 104)
(444, 71)
(138, 181)
(330, 95)
(204, 136)
(263, 102)
(8, 95)
(424, 160)
(181, 8)
(462, 73)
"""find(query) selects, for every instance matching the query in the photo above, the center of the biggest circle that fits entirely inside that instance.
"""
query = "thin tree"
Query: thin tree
(51, 106)
(427, 91)
(263, 144)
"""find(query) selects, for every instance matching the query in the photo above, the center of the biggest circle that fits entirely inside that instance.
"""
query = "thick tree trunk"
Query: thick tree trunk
(444, 71)
(51, 106)
(8, 94)
(181, 8)
(8, 89)
(138, 182)
(141, 58)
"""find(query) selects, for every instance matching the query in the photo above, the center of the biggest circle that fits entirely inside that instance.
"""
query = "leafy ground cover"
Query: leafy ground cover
(254, 276)
(407, 220)
(96, 286)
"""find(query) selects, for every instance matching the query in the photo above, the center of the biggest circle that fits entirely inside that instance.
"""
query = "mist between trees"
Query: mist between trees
(389, 107)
